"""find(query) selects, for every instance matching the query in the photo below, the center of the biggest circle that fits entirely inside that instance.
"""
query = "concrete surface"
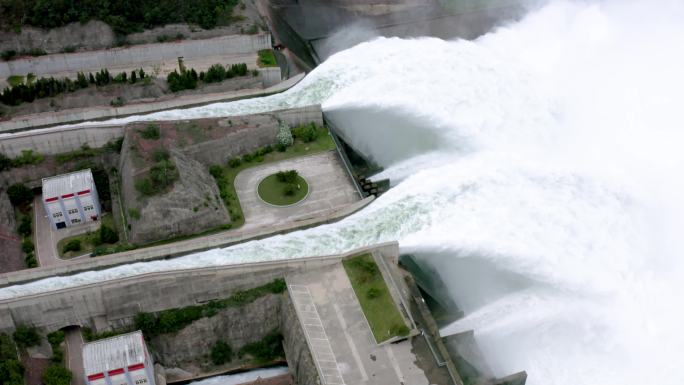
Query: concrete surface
(46, 237)
(114, 303)
(87, 114)
(329, 189)
(74, 354)
(145, 55)
(339, 336)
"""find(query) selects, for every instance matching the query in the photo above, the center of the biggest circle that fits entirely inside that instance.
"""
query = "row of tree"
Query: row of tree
(33, 89)
(188, 79)
(124, 16)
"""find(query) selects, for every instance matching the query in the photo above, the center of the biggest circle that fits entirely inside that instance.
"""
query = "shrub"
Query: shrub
(284, 136)
(216, 171)
(289, 176)
(31, 261)
(114, 145)
(24, 228)
(248, 158)
(266, 350)
(399, 330)
(307, 133)
(118, 102)
(57, 375)
(8, 54)
(221, 353)
(72, 245)
(235, 162)
(28, 157)
(373, 293)
(56, 338)
(289, 189)
(26, 336)
(27, 246)
(5, 162)
(215, 73)
(145, 187)
(19, 194)
(151, 131)
(163, 174)
(134, 213)
(146, 322)
(160, 154)
(11, 371)
(57, 355)
(108, 235)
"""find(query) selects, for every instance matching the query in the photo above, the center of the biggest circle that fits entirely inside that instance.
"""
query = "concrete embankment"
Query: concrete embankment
(58, 140)
(208, 242)
(115, 303)
(139, 55)
(100, 113)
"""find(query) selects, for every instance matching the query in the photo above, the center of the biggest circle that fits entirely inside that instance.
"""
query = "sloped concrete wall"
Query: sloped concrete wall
(95, 60)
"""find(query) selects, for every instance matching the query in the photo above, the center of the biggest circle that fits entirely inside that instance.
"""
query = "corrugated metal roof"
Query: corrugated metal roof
(67, 183)
(113, 353)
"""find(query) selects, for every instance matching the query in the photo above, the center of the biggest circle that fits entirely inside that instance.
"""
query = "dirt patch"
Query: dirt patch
(34, 369)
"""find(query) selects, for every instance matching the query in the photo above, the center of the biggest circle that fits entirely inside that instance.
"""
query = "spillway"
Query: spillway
(537, 169)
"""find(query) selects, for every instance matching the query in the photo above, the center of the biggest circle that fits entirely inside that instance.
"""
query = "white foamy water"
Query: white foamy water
(241, 378)
(538, 169)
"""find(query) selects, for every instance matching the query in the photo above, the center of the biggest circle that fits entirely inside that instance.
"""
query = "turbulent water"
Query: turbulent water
(538, 169)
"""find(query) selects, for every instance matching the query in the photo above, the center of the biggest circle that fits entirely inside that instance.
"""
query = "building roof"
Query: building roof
(67, 183)
(113, 353)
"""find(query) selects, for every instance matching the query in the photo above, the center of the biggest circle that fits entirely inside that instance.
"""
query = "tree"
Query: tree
(57, 375)
(26, 336)
(284, 136)
(108, 235)
(19, 194)
(221, 353)
(134, 77)
(72, 245)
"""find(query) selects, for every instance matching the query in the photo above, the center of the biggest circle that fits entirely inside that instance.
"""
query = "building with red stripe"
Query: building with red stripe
(120, 360)
(71, 199)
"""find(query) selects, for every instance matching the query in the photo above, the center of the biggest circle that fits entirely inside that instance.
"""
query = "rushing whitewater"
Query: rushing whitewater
(537, 169)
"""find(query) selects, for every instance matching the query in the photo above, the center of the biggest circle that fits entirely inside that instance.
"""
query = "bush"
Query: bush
(24, 229)
(235, 162)
(163, 174)
(284, 136)
(160, 154)
(72, 245)
(27, 157)
(19, 194)
(134, 213)
(145, 187)
(216, 171)
(215, 73)
(289, 176)
(56, 338)
(8, 54)
(151, 131)
(31, 261)
(221, 353)
(26, 336)
(57, 375)
(27, 246)
(266, 350)
(108, 235)
(5, 162)
(307, 133)
(373, 293)
(11, 371)
(289, 189)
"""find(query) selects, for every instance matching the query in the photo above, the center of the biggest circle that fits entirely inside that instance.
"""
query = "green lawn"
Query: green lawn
(15, 80)
(88, 240)
(377, 303)
(267, 58)
(271, 190)
(323, 142)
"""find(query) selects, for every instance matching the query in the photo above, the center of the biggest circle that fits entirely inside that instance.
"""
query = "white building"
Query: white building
(120, 360)
(71, 199)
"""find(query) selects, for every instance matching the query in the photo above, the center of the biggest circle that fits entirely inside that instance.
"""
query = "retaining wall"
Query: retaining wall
(59, 140)
(113, 304)
(136, 55)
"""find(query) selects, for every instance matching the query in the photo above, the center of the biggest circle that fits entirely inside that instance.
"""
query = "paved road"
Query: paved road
(339, 336)
(74, 354)
(330, 189)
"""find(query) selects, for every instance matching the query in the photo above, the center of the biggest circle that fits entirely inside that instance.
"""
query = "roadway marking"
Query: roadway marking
(395, 364)
(350, 341)
(318, 341)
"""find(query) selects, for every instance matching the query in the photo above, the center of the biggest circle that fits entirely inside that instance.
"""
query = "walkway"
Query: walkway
(329, 189)
(74, 354)
(338, 334)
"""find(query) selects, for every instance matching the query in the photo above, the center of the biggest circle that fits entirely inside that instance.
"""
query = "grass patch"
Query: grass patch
(15, 80)
(376, 302)
(88, 241)
(267, 58)
(279, 193)
(323, 142)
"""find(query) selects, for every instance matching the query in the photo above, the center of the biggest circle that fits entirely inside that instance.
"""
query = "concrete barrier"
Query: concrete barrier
(135, 55)
(100, 113)
(58, 140)
(175, 249)
(114, 303)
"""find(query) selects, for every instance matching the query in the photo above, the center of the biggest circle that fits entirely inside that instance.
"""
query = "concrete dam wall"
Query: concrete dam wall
(95, 60)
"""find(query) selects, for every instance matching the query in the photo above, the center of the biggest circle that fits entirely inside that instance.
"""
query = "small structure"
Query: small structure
(71, 199)
(120, 360)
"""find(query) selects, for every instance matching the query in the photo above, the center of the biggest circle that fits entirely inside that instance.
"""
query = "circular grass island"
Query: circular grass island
(283, 188)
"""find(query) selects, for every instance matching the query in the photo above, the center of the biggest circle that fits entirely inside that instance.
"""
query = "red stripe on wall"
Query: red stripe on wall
(94, 377)
(84, 192)
(67, 195)
(136, 367)
(115, 372)
(51, 199)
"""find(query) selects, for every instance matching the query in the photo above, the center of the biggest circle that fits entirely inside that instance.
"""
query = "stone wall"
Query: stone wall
(235, 326)
(299, 357)
(132, 56)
